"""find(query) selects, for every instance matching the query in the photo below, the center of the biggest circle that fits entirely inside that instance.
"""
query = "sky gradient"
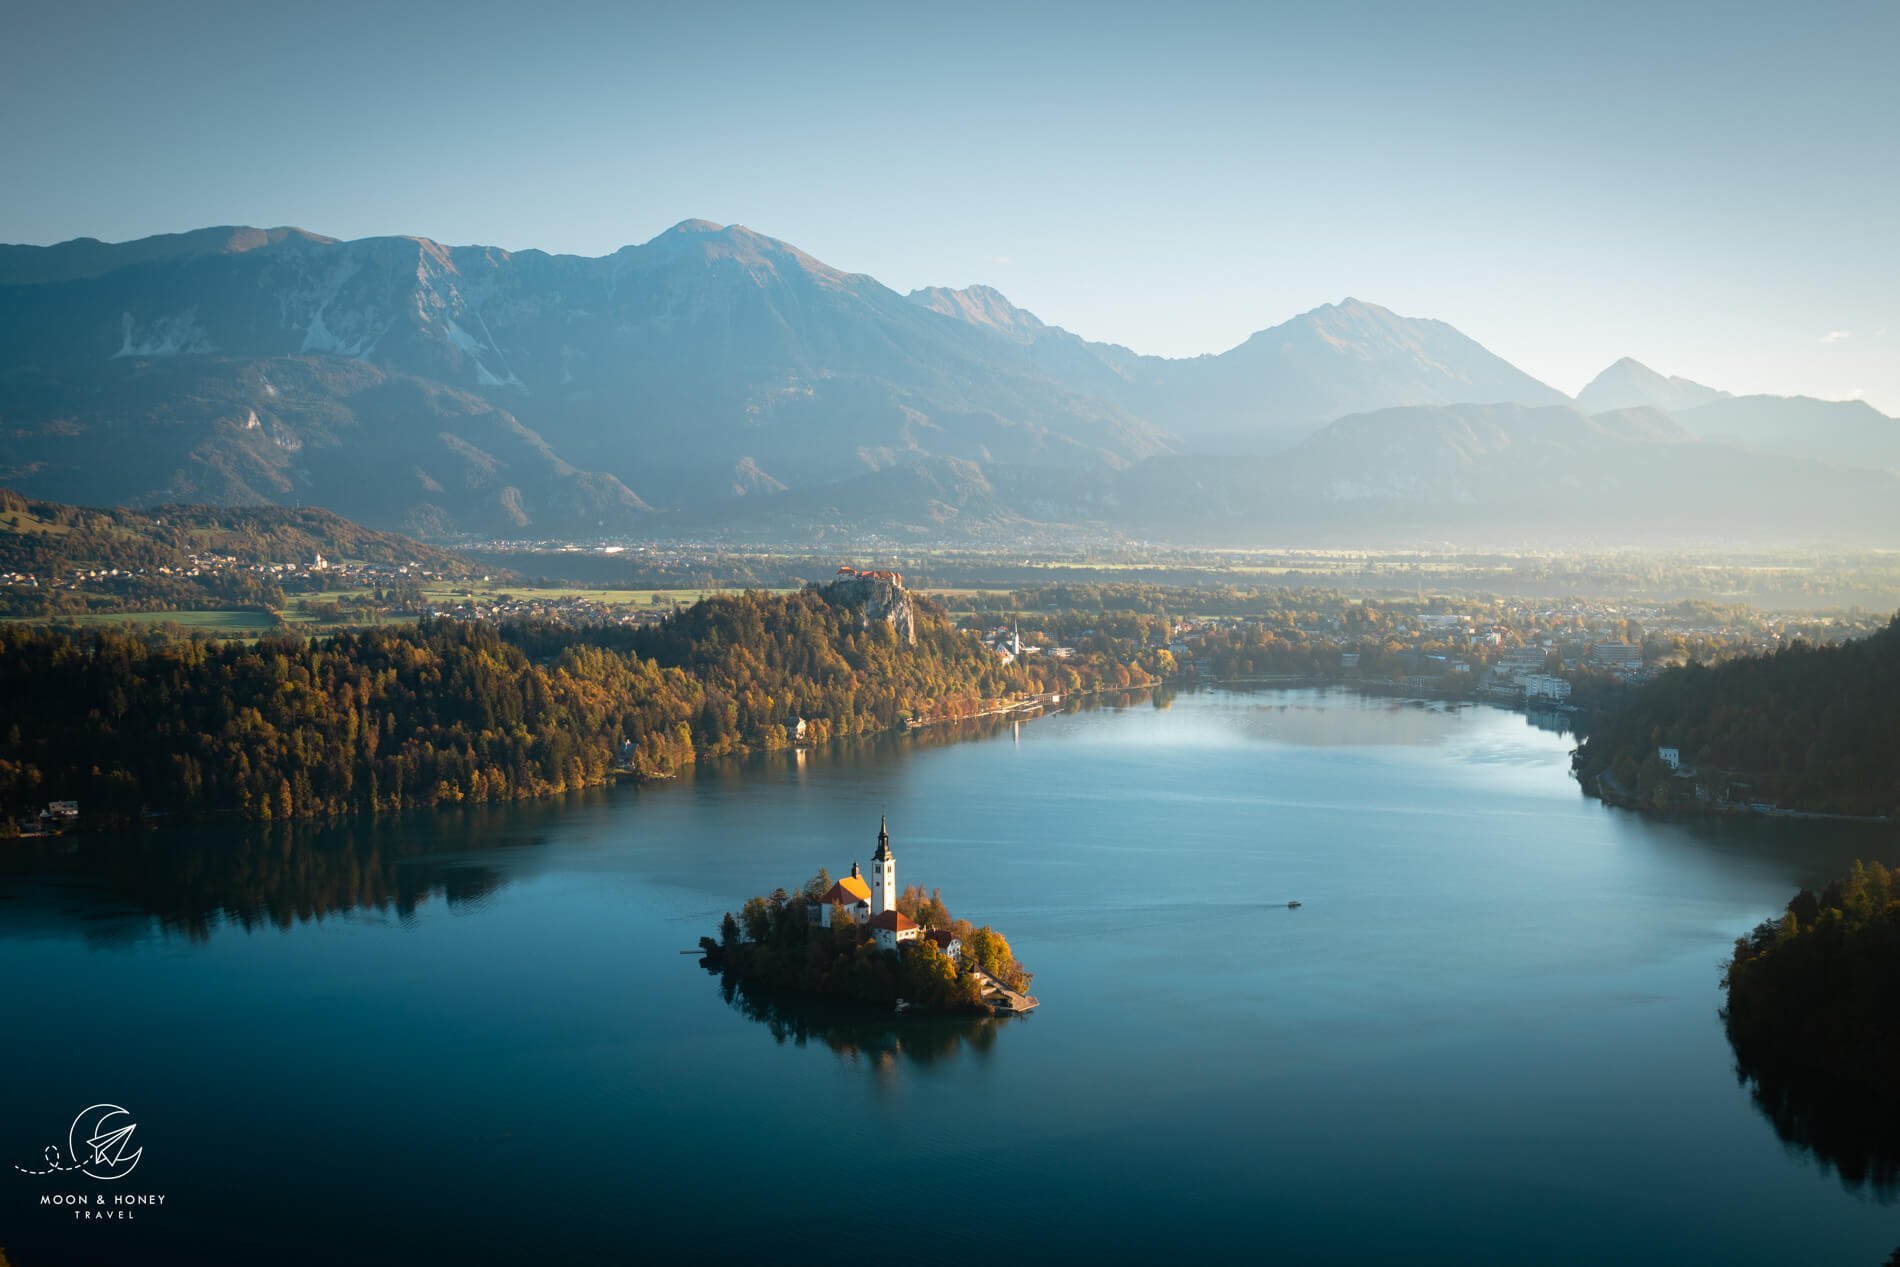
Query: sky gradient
(1714, 190)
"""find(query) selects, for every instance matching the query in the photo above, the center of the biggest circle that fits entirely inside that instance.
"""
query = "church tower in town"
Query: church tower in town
(883, 872)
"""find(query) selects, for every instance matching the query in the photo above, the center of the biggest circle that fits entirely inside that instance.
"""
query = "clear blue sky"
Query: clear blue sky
(1713, 189)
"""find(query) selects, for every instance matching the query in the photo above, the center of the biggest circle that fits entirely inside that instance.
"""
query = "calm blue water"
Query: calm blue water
(1489, 1035)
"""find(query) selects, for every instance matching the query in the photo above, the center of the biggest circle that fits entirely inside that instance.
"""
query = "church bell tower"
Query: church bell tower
(883, 872)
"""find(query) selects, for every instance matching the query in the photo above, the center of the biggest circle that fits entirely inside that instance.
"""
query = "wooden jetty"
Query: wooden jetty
(1003, 1000)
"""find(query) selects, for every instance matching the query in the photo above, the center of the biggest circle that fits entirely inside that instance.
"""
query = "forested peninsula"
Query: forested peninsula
(1808, 728)
(1814, 1017)
(445, 711)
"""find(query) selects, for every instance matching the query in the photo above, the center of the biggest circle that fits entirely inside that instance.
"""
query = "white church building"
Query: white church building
(873, 904)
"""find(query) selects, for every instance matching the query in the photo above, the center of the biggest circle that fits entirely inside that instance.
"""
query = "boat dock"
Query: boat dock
(1003, 1000)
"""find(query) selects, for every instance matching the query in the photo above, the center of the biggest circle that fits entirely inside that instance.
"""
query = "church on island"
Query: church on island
(874, 904)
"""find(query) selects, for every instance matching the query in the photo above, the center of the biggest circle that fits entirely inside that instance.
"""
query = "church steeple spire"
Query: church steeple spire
(883, 872)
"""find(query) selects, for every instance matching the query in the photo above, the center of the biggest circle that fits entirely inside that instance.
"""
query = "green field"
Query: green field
(233, 622)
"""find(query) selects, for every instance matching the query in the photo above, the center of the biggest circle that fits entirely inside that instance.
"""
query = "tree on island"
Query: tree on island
(986, 949)
(927, 909)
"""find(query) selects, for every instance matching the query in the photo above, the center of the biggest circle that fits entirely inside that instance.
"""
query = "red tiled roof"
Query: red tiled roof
(942, 936)
(894, 921)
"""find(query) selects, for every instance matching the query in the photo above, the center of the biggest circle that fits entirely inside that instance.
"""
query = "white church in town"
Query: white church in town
(872, 904)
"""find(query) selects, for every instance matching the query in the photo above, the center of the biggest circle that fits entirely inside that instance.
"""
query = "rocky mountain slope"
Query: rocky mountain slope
(382, 448)
(714, 380)
(709, 360)
(1272, 390)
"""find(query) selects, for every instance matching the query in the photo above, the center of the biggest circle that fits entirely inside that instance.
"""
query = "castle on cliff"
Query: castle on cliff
(883, 597)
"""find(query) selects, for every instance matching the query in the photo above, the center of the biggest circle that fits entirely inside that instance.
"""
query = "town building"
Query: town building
(1546, 686)
(1521, 662)
(1624, 655)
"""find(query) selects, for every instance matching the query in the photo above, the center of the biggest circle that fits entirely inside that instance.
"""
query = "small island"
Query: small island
(864, 939)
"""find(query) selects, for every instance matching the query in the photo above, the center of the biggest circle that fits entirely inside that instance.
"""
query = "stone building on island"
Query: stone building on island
(869, 902)
(893, 926)
(874, 904)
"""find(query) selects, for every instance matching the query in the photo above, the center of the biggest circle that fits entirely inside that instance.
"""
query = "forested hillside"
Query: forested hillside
(44, 538)
(446, 712)
(1808, 727)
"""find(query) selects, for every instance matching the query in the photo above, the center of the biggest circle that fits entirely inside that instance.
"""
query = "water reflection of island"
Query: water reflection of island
(854, 1034)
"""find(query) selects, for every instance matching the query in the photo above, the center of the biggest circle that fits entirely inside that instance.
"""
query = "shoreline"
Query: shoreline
(1603, 789)
(1031, 706)
(1616, 798)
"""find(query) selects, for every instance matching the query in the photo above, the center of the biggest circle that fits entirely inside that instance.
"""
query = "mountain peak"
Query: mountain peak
(1630, 383)
(981, 306)
(90, 257)
(1349, 314)
(730, 244)
(1352, 307)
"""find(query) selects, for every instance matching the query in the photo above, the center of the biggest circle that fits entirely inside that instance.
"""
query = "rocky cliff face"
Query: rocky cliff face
(881, 596)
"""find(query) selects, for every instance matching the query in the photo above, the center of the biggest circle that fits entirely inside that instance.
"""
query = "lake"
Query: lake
(1489, 1035)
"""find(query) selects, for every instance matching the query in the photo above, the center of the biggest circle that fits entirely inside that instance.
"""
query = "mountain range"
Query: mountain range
(716, 381)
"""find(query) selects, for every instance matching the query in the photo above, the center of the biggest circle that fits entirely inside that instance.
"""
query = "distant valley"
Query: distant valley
(715, 382)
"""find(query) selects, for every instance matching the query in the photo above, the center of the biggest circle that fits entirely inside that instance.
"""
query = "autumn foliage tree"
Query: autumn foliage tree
(445, 712)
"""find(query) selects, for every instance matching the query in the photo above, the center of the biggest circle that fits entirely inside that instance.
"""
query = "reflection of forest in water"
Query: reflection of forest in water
(251, 877)
(1851, 1130)
(856, 1033)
